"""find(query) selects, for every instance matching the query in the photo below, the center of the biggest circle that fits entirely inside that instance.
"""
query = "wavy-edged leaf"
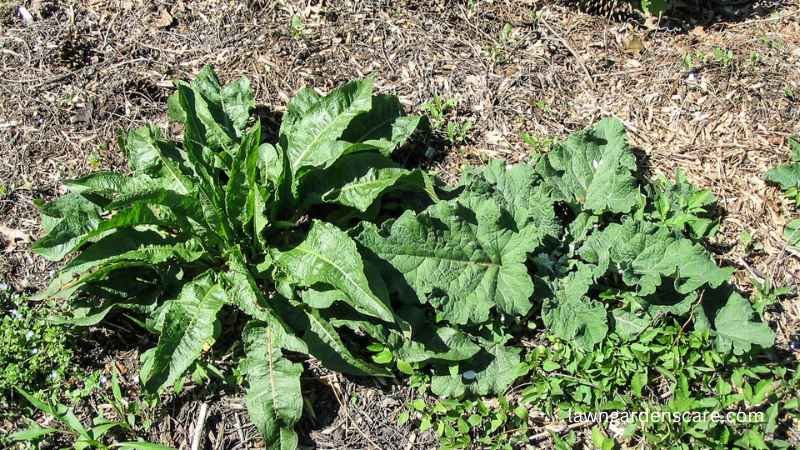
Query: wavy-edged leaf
(490, 372)
(241, 180)
(274, 398)
(65, 220)
(218, 113)
(243, 292)
(644, 253)
(573, 317)
(517, 189)
(330, 257)
(438, 343)
(383, 126)
(312, 142)
(137, 214)
(463, 261)
(325, 344)
(211, 194)
(188, 328)
(737, 331)
(358, 179)
(123, 249)
(298, 106)
(595, 168)
(577, 320)
(149, 153)
(628, 324)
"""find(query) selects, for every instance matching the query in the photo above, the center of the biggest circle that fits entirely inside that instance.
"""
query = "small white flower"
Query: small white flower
(53, 375)
(14, 313)
(34, 351)
(595, 163)
(28, 335)
(469, 375)
(3, 287)
(103, 380)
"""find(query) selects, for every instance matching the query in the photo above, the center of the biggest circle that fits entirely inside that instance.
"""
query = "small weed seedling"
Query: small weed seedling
(439, 112)
(296, 27)
(498, 50)
(537, 144)
(723, 56)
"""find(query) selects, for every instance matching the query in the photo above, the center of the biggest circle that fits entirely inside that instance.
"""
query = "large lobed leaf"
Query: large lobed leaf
(645, 253)
(595, 168)
(465, 262)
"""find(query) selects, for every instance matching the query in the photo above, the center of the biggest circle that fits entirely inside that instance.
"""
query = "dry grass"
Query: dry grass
(82, 70)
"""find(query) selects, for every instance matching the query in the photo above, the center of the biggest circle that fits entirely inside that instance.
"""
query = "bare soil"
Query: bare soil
(75, 73)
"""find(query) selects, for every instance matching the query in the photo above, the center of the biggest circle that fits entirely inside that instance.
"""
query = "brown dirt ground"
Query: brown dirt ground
(82, 70)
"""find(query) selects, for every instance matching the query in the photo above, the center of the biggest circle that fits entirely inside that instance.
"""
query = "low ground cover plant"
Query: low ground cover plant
(321, 244)
(34, 354)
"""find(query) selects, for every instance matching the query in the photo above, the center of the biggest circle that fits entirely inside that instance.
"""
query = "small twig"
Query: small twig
(753, 272)
(239, 429)
(543, 435)
(199, 425)
(571, 50)
(220, 435)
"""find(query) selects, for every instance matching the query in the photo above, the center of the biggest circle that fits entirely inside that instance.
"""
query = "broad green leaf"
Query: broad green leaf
(188, 329)
(329, 256)
(149, 153)
(357, 180)
(137, 214)
(218, 113)
(570, 315)
(65, 221)
(465, 262)
(243, 292)
(577, 320)
(787, 176)
(737, 331)
(321, 299)
(628, 324)
(383, 126)
(211, 193)
(438, 343)
(516, 188)
(122, 250)
(594, 168)
(274, 398)
(313, 140)
(325, 344)
(490, 372)
(299, 105)
(500, 374)
(241, 180)
(644, 253)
